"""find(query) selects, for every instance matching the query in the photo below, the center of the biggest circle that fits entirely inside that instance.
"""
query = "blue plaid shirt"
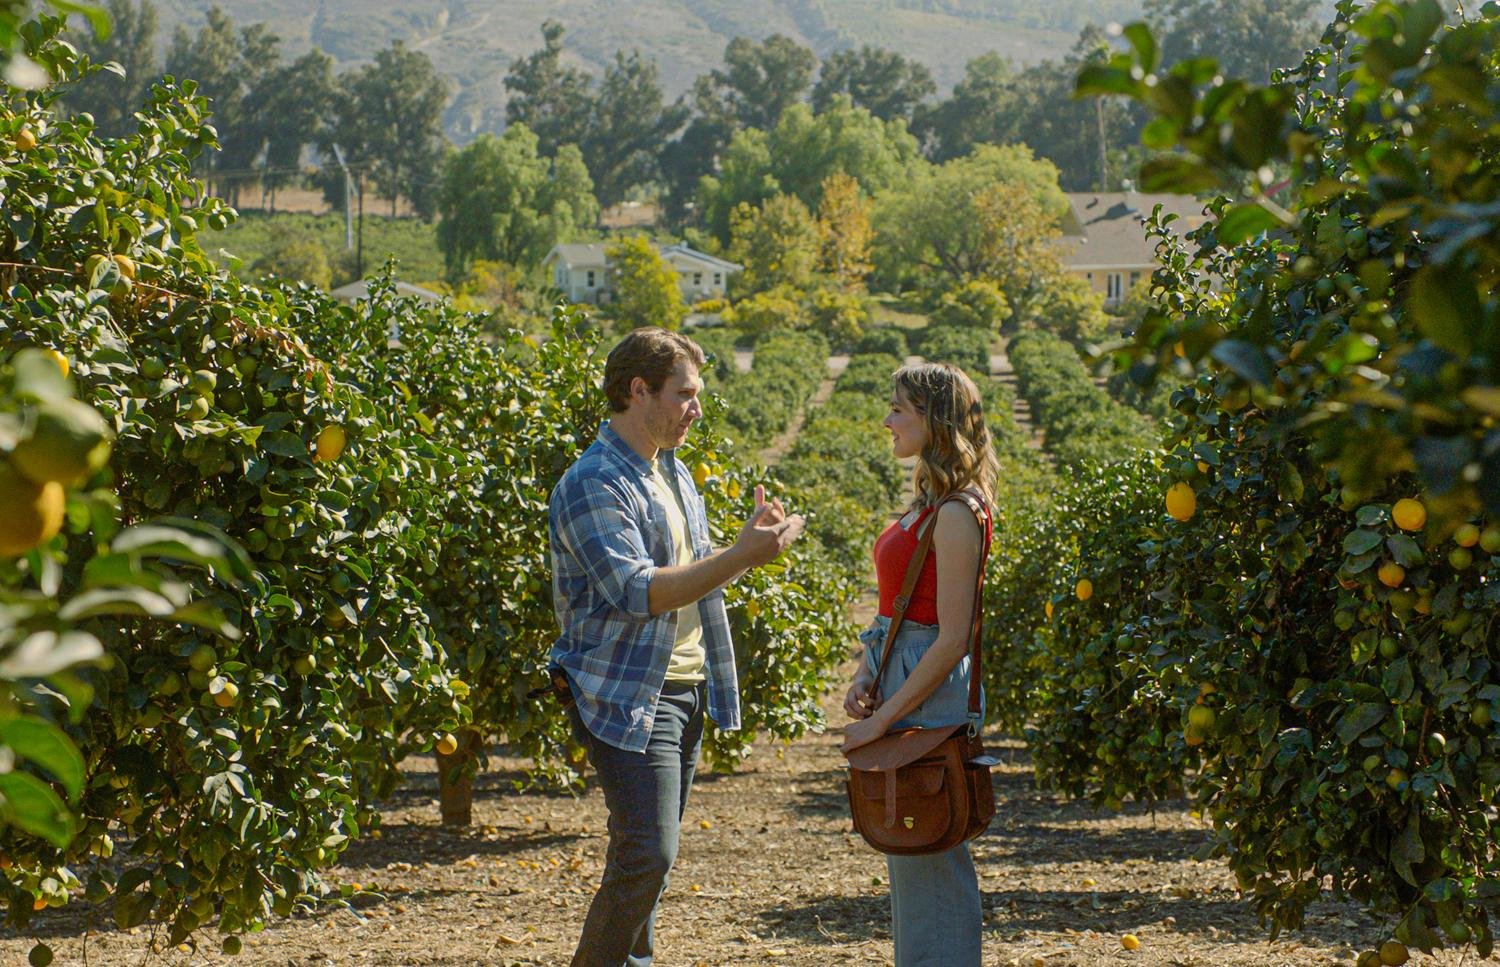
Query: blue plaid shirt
(608, 534)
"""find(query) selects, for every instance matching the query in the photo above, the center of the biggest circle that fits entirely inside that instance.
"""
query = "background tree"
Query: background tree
(1017, 243)
(399, 100)
(978, 112)
(777, 243)
(1091, 141)
(844, 232)
(646, 290)
(500, 200)
(1248, 38)
(212, 58)
(553, 101)
(931, 234)
(626, 126)
(296, 100)
(112, 99)
(881, 81)
(760, 81)
(801, 152)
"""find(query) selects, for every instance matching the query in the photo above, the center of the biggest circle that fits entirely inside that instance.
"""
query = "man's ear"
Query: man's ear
(639, 391)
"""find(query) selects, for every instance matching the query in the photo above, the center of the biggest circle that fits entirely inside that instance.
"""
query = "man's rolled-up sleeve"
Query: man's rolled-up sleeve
(600, 530)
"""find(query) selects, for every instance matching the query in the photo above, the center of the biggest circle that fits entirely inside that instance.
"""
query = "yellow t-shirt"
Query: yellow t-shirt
(688, 653)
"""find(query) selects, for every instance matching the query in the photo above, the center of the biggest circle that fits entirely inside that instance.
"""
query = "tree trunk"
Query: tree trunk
(455, 788)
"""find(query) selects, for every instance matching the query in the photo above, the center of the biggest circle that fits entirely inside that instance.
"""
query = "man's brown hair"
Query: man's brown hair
(652, 354)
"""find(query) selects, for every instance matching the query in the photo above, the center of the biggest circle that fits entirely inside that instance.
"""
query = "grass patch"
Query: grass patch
(411, 241)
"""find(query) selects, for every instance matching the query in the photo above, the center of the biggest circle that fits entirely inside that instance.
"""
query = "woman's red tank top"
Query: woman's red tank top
(893, 551)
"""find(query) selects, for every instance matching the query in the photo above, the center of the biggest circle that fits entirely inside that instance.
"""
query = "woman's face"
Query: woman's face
(908, 428)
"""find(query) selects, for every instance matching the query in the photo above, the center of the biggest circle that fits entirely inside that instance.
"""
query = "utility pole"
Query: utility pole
(1103, 148)
(338, 155)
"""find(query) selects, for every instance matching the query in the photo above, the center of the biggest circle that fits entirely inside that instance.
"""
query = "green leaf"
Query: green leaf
(45, 745)
(1139, 35)
(1445, 305)
(1360, 719)
(1245, 221)
(1244, 359)
(46, 653)
(1098, 79)
(32, 805)
(1177, 173)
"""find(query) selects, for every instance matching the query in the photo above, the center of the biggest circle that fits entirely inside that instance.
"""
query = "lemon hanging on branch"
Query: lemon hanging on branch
(1409, 514)
(1084, 589)
(1182, 501)
(330, 443)
(33, 511)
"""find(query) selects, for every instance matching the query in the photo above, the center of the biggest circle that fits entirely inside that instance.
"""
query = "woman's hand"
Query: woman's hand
(859, 703)
(864, 731)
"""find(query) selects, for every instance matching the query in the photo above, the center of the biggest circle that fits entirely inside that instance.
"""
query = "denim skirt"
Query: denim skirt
(937, 916)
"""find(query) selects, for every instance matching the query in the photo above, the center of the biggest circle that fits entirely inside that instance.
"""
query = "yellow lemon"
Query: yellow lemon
(1130, 942)
(1182, 502)
(1467, 535)
(227, 695)
(62, 364)
(127, 266)
(1394, 953)
(330, 443)
(1391, 574)
(33, 511)
(1409, 514)
(25, 140)
(1084, 589)
(448, 744)
(701, 473)
(1048, 608)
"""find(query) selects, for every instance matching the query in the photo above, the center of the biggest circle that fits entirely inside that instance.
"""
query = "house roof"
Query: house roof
(360, 289)
(1107, 229)
(579, 255)
(710, 260)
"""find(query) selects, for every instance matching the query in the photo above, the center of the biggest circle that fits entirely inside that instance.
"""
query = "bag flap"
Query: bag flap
(920, 781)
(895, 749)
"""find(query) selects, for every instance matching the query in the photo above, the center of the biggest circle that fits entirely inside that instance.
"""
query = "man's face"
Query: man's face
(671, 412)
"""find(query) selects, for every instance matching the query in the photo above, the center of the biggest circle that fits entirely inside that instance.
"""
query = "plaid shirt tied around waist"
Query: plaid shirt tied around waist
(608, 534)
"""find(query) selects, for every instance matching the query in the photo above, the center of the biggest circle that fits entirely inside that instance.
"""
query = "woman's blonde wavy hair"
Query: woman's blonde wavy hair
(958, 453)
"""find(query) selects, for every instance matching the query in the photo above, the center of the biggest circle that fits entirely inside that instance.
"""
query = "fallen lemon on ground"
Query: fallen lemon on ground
(1182, 501)
(1394, 953)
(1130, 942)
(1409, 514)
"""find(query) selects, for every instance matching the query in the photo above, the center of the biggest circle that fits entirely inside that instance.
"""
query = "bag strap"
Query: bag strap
(914, 571)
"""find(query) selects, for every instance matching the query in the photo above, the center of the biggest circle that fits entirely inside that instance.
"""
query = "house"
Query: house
(581, 272)
(1105, 241)
(360, 289)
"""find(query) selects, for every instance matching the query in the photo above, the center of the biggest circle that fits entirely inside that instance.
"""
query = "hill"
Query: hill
(473, 42)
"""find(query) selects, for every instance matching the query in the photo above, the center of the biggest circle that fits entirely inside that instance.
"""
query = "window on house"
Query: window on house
(718, 278)
(591, 278)
(697, 278)
(1134, 278)
(1113, 286)
(1089, 276)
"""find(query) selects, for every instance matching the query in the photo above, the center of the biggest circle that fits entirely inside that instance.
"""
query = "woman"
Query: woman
(935, 416)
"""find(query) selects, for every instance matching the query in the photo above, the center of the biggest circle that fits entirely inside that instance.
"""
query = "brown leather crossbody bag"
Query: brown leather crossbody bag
(916, 791)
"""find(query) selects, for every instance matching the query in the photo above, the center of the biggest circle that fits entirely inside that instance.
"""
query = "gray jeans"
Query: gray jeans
(646, 793)
(937, 913)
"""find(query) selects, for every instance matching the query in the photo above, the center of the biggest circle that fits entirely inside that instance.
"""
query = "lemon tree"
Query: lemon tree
(1310, 642)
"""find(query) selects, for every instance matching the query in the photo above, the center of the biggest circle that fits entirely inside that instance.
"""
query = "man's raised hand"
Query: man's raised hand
(769, 531)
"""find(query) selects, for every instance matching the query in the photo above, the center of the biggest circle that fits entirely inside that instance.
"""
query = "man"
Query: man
(645, 640)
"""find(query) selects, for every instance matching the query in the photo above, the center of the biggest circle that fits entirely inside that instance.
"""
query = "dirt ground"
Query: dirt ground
(769, 874)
